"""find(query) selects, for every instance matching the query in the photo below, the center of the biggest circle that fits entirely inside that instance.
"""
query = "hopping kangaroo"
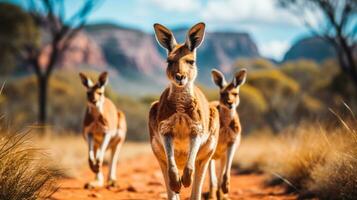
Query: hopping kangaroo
(183, 126)
(104, 127)
(229, 133)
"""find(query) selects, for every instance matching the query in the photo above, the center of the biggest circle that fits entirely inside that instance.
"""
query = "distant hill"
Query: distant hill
(138, 60)
(134, 52)
(312, 48)
(129, 51)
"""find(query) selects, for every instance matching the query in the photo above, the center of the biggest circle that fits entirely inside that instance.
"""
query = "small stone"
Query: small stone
(153, 182)
(131, 188)
(95, 195)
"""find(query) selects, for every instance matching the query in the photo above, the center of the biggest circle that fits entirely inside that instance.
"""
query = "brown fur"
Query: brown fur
(196, 109)
(183, 116)
(102, 118)
(229, 132)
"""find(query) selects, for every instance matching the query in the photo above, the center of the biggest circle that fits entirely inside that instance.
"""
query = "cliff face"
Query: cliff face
(132, 50)
(139, 60)
(128, 51)
(82, 50)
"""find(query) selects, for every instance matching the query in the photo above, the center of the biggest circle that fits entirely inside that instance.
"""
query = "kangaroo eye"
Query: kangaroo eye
(170, 62)
(100, 93)
(190, 62)
(235, 94)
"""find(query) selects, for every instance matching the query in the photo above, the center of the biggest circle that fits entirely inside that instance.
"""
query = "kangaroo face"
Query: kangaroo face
(181, 68)
(181, 58)
(95, 92)
(229, 97)
(229, 93)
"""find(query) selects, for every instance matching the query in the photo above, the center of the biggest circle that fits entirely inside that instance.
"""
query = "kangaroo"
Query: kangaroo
(104, 127)
(229, 132)
(183, 126)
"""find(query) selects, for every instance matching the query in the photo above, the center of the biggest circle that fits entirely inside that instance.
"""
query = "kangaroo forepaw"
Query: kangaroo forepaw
(221, 195)
(112, 183)
(174, 180)
(225, 185)
(93, 184)
(212, 195)
(187, 177)
(94, 166)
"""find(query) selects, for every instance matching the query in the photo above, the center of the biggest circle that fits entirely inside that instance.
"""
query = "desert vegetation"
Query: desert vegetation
(25, 172)
(274, 97)
(311, 159)
(297, 115)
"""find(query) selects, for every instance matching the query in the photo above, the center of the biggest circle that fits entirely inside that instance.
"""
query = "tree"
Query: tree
(333, 21)
(57, 30)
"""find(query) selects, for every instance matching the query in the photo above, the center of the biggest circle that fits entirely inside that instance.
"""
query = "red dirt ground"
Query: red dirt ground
(140, 178)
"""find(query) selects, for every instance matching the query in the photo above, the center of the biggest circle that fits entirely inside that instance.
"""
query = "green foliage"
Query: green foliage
(17, 30)
(253, 63)
(273, 82)
(253, 97)
(305, 72)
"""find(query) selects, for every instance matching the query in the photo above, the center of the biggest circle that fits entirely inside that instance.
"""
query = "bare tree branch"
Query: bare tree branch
(50, 16)
(338, 17)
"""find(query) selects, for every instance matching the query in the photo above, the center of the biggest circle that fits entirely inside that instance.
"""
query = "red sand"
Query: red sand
(140, 178)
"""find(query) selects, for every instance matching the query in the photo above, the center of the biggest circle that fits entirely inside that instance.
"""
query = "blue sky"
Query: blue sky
(273, 29)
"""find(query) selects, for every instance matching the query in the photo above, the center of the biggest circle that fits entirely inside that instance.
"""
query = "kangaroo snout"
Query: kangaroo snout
(180, 79)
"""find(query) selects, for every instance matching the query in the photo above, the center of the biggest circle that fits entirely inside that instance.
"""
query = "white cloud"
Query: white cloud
(247, 11)
(177, 5)
(274, 49)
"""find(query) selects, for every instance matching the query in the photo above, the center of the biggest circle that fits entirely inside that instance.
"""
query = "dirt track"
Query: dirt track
(140, 178)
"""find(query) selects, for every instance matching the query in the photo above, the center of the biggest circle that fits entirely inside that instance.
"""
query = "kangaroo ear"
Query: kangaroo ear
(239, 77)
(218, 78)
(103, 79)
(164, 37)
(195, 36)
(85, 80)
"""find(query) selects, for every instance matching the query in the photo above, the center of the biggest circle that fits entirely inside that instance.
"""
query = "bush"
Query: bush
(305, 72)
(25, 173)
(310, 159)
(253, 64)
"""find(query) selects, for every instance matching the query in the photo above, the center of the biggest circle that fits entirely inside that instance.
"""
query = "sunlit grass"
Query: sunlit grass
(25, 172)
(310, 159)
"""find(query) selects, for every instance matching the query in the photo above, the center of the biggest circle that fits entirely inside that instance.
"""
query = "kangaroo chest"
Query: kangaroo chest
(182, 117)
(97, 125)
(229, 133)
(182, 120)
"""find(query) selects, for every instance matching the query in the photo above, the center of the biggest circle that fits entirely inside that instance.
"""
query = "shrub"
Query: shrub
(253, 64)
(25, 173)
(310, 159)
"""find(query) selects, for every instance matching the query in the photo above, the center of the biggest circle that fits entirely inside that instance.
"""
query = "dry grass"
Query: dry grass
(25, 173)
(311, 159)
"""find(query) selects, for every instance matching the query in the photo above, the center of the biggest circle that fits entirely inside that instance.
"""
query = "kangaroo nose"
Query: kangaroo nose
(179, 77)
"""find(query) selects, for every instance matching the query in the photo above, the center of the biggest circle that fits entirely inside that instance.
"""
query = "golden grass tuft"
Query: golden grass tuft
(25, 173)
(310, 159)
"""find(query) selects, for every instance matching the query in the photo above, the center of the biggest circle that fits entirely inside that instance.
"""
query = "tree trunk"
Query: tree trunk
(346, 59)
(42, 99)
